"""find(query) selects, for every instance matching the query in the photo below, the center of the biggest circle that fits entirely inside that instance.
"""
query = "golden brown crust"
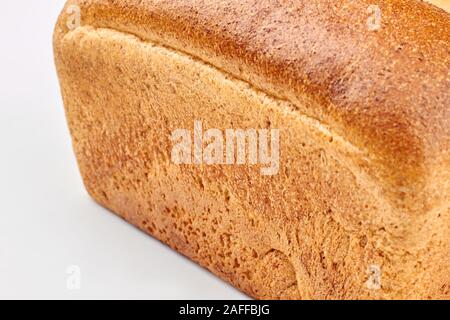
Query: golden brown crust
(313, 231)
(385, 91)
(330, 215)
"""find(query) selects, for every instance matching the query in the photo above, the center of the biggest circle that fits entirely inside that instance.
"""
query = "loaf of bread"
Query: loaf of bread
(345, 191)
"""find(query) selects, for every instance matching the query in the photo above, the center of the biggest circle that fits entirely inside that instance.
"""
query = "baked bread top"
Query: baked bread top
(376, 73)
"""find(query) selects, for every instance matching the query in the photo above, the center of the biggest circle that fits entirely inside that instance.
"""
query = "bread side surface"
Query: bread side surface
(385, 91)
(322, 228)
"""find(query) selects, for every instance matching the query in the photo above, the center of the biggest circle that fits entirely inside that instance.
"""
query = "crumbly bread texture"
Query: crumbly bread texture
(360, 208)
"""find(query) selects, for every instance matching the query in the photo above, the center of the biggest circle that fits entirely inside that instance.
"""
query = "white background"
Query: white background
(47, 221)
